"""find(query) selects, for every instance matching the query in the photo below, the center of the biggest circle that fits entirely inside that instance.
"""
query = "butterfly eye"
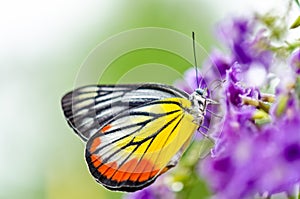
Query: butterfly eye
(200, 91)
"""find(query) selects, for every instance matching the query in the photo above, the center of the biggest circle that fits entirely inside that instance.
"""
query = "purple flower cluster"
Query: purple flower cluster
(158, 190)
(295, 61)
(247, 46)
(253, 158)
(257, 150)
(257, 143)
(250, 159)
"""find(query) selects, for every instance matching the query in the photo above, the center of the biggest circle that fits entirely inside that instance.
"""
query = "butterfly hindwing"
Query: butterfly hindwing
(136, 146)
(88, 108)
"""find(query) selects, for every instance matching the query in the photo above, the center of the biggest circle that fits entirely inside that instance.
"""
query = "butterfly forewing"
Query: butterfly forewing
(133, 148)
(88, 108)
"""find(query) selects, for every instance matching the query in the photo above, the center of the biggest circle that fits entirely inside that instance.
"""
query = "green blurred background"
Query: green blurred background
(43, 45)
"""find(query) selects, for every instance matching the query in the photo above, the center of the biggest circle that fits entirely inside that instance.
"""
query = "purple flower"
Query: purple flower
(257, 163)
(295, 61)
(240, 52)
(234, 31)
(255, 159)
(143, 194)
(237, 122)
(257, 144)
(235, 35)
(230, 168)
(216, 65)
(156, 191)
(234, 90)
(246, 49)
(234, 93)
(291, 152)
(285, 138)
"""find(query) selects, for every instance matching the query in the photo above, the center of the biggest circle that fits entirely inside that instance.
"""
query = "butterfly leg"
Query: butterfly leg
(214, 114)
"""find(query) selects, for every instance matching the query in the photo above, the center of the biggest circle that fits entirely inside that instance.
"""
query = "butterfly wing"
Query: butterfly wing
(87, 108)
(132, 149)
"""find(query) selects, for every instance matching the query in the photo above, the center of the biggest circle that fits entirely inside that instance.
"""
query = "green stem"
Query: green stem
(257, 103)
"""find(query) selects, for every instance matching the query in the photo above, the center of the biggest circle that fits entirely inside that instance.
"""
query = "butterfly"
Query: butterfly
(133, 133)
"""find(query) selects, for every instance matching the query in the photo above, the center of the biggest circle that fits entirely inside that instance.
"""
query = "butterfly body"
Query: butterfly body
(133, 133)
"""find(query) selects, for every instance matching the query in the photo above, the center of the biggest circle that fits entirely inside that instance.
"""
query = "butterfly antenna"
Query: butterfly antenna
(195, 59)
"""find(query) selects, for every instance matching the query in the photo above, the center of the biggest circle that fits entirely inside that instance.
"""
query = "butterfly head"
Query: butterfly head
(199, 100)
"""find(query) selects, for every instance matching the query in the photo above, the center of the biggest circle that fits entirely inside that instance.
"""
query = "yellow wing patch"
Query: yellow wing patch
(135, 147)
